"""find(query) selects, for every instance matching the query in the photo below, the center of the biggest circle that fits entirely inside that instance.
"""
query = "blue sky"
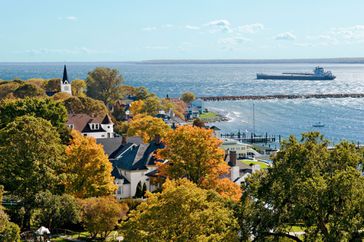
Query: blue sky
(122, 30)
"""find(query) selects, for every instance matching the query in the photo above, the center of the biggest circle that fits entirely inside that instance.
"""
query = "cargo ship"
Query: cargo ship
(318, 74)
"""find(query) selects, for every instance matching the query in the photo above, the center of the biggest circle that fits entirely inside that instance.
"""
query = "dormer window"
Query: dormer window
(94, 126)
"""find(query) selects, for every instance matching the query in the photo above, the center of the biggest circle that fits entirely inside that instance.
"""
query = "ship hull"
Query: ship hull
(293, 77)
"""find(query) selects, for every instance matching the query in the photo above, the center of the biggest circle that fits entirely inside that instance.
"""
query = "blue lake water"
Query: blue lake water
(343, 118)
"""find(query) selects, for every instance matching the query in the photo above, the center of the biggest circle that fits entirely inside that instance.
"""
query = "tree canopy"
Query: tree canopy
(149, 106)
(188, 97)
(104, 84)
(193, 153)
(310, 186)
(31, 156)
(79, 88)
(86, 105)
(87, 168)
(101, 215)
(181, 212)
(47, 109)
(147, 127)
(28, 90)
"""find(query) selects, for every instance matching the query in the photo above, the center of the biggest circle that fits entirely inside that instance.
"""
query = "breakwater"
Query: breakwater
(279, 96)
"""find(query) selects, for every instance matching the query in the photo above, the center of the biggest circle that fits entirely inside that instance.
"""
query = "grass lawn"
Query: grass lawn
(208, 115)
(262, 164)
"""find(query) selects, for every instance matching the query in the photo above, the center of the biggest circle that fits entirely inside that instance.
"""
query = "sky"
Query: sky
(133, 30)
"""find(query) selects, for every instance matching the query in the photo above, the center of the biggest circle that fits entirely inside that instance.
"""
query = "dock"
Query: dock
(280, 96)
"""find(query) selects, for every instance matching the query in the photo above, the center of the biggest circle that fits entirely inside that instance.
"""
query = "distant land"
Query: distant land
(359, 60)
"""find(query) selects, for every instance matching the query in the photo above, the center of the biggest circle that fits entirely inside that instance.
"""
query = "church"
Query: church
(65, 82)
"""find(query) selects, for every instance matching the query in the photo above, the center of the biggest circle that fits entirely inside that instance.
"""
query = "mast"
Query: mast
(254, 119)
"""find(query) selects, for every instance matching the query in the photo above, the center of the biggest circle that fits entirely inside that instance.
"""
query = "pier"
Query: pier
(252, 139)
(280, 96)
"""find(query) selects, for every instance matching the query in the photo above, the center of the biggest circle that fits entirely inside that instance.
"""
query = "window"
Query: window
(66, 88)
(71, 126)
(120, 190)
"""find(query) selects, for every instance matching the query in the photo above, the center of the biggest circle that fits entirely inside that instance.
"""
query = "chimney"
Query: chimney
(157, 139)
(123, 139)
(233, 158)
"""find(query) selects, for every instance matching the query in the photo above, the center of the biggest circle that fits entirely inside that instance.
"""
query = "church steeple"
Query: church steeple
(65, 76)
(66, 83)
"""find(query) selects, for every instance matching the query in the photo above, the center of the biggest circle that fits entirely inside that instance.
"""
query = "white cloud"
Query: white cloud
(69, 18)
(192, 27)
(250, 28)
(285, 36)
(149, 28)
(219, 25)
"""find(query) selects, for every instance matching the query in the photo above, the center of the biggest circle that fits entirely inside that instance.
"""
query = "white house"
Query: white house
(133, 161)
(98, 127)
(243, 150)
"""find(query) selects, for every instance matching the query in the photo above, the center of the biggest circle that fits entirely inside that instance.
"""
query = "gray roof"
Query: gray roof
(112, 144)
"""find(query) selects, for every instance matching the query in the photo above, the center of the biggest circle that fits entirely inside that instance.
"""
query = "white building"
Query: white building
(66, 83)
(242, 150)
(98, 127)
(133, 162)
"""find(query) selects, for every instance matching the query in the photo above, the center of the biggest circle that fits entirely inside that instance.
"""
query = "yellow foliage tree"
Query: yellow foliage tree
(147, 127)
(181, 212)
(137, 107)
(194, 153)
(78, 88)
(87, 168)
(101, 215)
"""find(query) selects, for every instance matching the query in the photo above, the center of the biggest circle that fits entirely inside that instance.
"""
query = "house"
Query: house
(195, 108)
(242, 150)
(131, 161)
(100, 126)
(238, 170)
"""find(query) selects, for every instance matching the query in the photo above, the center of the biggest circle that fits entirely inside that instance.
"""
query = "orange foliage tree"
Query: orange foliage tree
(87, 168)
(193, 153)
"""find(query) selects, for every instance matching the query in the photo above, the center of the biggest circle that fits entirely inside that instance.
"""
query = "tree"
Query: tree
(7, 89)
(198, 123)
(150, 106)
(86, 105)
(181, 212)
(147, 127)
(87, 168)
(310, 186)
(31, 157)
(104, 84)
(39, 82)
(56, 211)
(193, 153)
(101, 215)
(53, 85)
(29, 90)
(44, 108)
(61, 96)
(78, 88)
(188, 97)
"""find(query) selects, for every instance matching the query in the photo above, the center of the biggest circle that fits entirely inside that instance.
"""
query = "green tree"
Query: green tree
(53, 85)
(78, 88)
(31, 157)
(188, 97)
(86, 105)
(104, 84)
(7, 89)
(181, 212)
(29, 90)
(47, 109)
(310, 186)
(101, 215)
(87, 168)
(56, 211)
(150, 106)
